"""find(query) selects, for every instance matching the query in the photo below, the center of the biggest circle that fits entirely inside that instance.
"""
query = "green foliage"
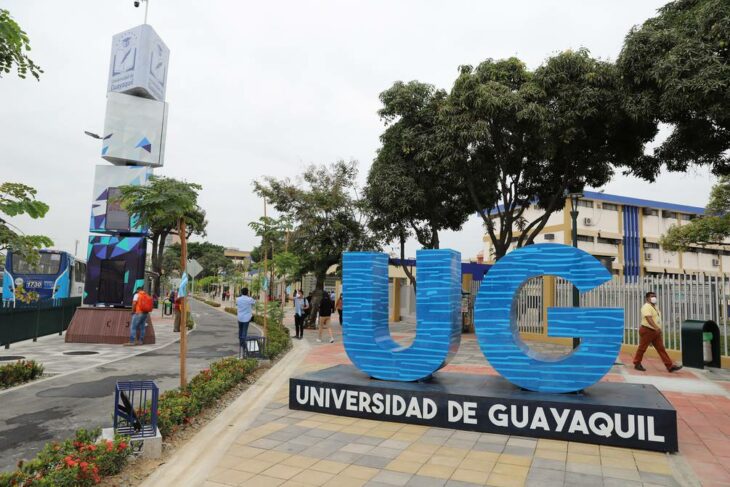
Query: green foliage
(14, 45)
(514, 137)
(179, 406)
(325, 213)
(711, 229)
(205, 283)
(19, 199)
(19, 372)
(210, 256)
(160, 205)
(677, 65)
(77, 462)
(409, 187)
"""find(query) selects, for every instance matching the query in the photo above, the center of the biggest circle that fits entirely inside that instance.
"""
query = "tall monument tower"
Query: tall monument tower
(134, 143)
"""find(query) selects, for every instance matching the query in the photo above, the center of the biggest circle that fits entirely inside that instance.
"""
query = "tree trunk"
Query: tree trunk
(154, 264)
(316, 298)
(406, 269)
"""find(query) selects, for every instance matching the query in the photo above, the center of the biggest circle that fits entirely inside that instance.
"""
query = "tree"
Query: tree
(160, 205)
(19, 199)
(275, 235)
(410, 189)
(518, 138)
(14, 44)
(711, 229)
(326, 214)
(678, 66)
(210, 256)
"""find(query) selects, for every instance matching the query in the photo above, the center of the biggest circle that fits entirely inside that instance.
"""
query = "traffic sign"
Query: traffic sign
(194, 268)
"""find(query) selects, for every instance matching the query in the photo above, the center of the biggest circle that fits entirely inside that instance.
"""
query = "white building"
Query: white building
(624, 234)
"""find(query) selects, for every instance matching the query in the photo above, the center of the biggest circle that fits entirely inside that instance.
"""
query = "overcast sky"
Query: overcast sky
(264, 88)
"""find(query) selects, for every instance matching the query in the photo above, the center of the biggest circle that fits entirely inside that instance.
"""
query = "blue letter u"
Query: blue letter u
(438, 313)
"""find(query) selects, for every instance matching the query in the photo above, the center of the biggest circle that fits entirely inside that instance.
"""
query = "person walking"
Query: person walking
(338, 307)
(244, 307)
(325, 312)
(300, 307)
(650, 333)
(141, 307)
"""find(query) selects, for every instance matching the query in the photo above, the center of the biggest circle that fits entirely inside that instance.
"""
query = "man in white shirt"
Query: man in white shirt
(244, 304)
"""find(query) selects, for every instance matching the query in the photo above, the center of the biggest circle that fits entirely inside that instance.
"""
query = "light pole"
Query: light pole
(574, 197)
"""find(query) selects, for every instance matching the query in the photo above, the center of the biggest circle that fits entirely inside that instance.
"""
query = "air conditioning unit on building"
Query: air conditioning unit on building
(647, 256)
(715, 262)
(587, 222)
(549, 236)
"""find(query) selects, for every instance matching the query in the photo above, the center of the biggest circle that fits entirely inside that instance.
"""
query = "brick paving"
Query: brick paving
(298, 448)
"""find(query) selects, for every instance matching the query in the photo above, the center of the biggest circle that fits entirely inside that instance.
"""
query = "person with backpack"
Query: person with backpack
(142, 305)
(325, 312)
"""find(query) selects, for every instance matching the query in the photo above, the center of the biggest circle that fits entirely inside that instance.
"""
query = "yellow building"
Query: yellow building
(624, 234)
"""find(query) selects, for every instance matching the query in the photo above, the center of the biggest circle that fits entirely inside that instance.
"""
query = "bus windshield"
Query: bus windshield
(47, 264)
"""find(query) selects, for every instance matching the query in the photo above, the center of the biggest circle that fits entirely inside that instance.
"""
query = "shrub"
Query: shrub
(179, 406)
(19, 372)
(80, 461)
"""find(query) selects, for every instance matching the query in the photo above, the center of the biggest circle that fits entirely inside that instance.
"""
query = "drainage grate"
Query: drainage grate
(80, 352)
(8, 358)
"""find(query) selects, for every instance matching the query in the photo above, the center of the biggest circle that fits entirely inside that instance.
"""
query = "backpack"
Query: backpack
(144, 303)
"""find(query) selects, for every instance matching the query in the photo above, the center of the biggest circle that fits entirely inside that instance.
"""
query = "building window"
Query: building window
(610, 207)
(685, 217)
(585, 238)
(669, 214)
(585, 203)
(608, 241)
(650, 212)
(651, 245)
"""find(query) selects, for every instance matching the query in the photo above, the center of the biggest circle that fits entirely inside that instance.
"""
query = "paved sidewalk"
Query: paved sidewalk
(298, 448)
(54, 408)
(59, 357)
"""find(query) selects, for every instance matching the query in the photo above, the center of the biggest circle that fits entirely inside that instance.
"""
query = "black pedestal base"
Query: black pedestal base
(607, 413)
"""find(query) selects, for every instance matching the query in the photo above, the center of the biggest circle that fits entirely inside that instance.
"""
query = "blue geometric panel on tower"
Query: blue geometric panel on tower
(600, 329)
(438, 313)
(145, 144)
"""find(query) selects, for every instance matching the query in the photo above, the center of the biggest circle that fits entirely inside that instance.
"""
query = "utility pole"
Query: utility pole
(183, 304)
(574, 197)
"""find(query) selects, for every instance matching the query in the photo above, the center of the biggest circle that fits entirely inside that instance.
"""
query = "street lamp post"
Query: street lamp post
(574, 197)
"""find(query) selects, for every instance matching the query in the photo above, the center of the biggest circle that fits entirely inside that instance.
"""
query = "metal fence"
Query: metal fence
(37, 319)
(680, 297)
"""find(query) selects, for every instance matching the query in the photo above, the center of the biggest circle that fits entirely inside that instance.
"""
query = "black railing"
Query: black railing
(26, 321)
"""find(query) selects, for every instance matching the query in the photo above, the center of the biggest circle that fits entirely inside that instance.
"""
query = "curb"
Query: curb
(192, 464)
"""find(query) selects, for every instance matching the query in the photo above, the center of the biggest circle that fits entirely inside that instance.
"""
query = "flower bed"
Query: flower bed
(80, 461)
(177, 407)
(19, 372)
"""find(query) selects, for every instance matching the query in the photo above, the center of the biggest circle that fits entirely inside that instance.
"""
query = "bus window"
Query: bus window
(47, 264)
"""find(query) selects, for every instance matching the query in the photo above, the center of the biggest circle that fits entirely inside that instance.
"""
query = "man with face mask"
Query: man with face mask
(650, 333)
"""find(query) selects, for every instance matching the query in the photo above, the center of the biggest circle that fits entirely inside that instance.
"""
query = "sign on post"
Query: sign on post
(194, 268)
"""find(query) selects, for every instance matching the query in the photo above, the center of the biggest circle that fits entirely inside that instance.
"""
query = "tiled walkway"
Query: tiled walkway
(297, 448)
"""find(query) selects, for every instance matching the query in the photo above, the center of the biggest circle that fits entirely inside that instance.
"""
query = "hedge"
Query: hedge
(19, 372)
(179, 406)
(80, 461)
